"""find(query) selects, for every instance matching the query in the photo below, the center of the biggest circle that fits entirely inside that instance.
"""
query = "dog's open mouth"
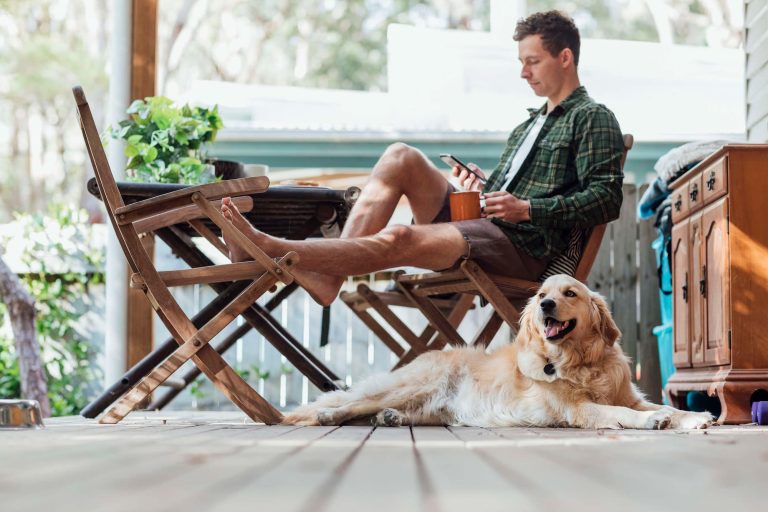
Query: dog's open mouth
(555, 330)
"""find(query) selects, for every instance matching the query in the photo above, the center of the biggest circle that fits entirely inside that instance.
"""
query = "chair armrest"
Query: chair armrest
(186, 214)
(179, 198)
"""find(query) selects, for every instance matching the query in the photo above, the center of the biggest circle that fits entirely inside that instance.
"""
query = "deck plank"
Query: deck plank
(221, 462)
(95, 470)
(548, 481)
(459, 479)
(301, 480)
(383, 474)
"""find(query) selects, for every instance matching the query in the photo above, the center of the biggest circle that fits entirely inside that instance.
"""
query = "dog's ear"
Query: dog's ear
(527, 329)
(603, 320)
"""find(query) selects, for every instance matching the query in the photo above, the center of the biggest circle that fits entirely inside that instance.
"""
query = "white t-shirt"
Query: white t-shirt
(523, 150)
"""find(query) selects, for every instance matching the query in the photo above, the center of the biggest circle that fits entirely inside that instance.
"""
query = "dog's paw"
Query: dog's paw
(692, 420)
(326, 417)
(388, 418)
(658, 420)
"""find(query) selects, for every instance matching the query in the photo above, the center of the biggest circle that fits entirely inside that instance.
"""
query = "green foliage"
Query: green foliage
(165, 143)
(628, 20)
(337, 44)
(60, 253)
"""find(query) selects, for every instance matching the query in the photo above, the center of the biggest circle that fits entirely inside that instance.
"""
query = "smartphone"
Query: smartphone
(453, 161)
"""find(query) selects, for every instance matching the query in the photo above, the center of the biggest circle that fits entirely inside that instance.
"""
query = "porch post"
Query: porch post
(116, 268)
(142, 84)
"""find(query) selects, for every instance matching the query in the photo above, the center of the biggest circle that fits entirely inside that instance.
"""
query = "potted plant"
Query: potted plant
(166, 143)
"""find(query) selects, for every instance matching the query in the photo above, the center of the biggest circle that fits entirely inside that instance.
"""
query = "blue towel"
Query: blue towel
(652, 198)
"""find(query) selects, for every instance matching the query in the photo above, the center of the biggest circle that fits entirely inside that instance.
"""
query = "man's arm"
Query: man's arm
(599, 148)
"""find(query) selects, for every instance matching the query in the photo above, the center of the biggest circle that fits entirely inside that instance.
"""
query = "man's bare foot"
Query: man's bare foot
(321, 287)
(233, 215)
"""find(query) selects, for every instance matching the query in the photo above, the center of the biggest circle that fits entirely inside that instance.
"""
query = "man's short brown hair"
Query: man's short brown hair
(557, 32)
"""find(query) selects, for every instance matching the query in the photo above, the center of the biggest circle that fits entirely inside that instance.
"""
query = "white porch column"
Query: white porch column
(116, 328)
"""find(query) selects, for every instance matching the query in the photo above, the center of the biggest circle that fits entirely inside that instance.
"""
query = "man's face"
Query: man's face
(544, 72)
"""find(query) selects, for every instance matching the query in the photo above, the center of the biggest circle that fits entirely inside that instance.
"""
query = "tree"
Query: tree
(46, 47)
(688, 22)
(21, 308)
(339, 44)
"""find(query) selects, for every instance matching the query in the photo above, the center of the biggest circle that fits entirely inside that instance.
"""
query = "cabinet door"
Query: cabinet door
(680, 278)
(716, 285)
(695, 295)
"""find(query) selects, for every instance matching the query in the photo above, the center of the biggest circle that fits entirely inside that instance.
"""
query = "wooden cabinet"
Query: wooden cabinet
(720, 278)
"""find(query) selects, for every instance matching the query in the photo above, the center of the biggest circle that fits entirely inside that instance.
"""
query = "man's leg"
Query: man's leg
(428, 246)
(401, 171)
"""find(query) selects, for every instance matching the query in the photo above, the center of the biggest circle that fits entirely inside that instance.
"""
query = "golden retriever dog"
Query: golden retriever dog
(565, 368)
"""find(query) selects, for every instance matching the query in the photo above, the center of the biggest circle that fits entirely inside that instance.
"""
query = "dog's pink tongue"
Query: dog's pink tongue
(552, 329)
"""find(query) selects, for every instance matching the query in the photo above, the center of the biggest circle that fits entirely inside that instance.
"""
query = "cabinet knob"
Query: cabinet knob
(685, 288)
(678, 203)
(711, 181)
(694, 192)
(703, 281)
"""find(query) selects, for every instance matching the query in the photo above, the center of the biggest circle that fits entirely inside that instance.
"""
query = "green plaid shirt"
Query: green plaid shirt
(572, 176)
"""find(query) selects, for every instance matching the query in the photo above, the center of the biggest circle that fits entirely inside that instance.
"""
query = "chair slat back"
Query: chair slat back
(165, 305)
(595, 238)
(107, 186)
(589, 240)
(589, 253)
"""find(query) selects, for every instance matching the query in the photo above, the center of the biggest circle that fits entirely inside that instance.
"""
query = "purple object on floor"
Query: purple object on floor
(760, 413)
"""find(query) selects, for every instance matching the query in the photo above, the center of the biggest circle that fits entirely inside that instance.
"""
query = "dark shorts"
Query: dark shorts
(490, 248)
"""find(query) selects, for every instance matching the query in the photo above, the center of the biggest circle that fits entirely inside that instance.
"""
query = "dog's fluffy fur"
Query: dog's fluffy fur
(565, 368)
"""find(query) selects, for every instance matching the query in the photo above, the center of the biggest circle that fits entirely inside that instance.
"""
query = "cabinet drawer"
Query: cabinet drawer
(715, 180)
(679, 204)
(695, 196)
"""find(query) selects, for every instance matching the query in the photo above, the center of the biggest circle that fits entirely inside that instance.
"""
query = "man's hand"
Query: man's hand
(505, 206)
(468, 180)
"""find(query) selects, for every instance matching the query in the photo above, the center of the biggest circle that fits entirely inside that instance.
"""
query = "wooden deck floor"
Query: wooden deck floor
(220, 461)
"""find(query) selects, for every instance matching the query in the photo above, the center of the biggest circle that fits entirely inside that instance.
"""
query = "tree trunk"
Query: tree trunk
(21, 310)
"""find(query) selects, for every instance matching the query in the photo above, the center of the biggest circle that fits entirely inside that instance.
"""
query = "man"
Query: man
(560, 171)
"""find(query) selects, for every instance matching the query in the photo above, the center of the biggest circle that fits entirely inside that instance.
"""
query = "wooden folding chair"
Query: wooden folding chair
(264, 272)
(454, 307)
(506, 296)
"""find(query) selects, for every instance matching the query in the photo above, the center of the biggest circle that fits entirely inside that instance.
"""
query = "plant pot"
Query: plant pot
(228, 169)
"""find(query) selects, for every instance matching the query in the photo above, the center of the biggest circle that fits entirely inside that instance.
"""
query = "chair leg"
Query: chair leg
(309, 365)
(491, 292)
(435, 317)
(456, 315)
(488, 331)
(381, 333)
(387, 314)
(193, 373)
(212, 364)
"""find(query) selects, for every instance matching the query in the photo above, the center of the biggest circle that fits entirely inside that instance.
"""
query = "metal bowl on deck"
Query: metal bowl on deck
(20, 414)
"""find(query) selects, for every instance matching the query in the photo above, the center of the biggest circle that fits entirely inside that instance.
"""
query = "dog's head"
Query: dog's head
(565, 311)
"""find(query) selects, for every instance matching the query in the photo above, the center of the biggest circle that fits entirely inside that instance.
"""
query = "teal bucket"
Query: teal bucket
(664, 338)
(665, 279)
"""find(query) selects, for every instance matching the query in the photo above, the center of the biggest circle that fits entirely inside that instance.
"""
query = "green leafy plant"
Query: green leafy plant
(61, 254)
(166, 143)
